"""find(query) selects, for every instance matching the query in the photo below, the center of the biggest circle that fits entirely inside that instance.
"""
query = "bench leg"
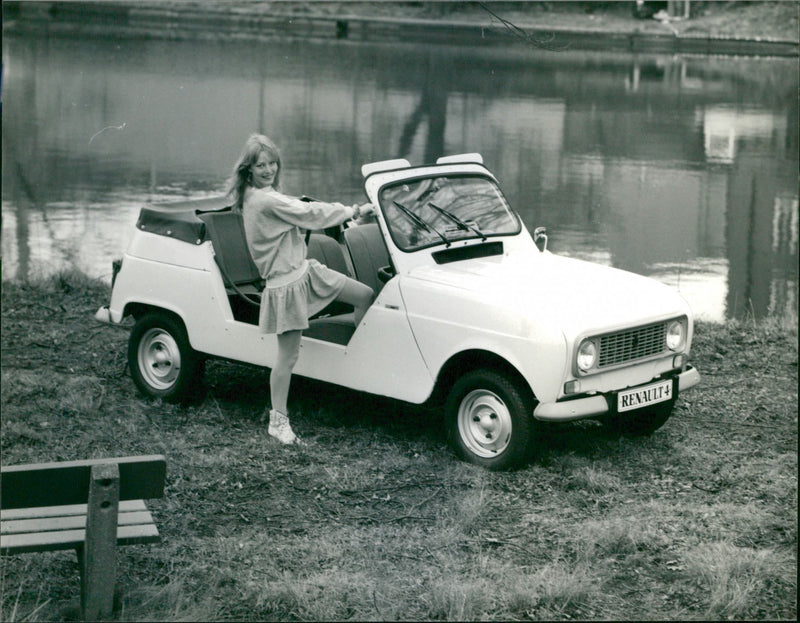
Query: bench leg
(97, 558)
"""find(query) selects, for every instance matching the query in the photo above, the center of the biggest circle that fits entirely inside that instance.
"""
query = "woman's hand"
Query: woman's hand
(363, 211)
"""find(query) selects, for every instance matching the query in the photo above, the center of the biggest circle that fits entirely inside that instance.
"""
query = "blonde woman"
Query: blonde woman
(296, 287)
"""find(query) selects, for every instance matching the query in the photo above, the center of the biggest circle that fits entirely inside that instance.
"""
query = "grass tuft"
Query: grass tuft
(556, 591)
(737, 579)
(460, 599)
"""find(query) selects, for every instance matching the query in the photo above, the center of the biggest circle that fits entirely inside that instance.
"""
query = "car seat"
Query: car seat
(368, 254)
(225, 229)
(242, 280)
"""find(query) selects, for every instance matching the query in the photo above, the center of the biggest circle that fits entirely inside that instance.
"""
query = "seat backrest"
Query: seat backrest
(56, 484)
(368, 253)
(226, 232)
(327, 251)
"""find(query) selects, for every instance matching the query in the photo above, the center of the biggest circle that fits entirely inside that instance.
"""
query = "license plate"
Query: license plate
(644, 396)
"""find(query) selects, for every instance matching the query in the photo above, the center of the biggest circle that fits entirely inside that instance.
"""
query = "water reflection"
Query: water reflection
(685, 169)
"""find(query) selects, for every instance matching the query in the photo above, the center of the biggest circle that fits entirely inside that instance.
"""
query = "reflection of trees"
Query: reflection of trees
(761, 234)
(29, 172)
(433, 106)
(20, 149)
(22, 228)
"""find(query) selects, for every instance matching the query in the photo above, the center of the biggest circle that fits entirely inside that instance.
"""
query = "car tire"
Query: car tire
(641, 423)
(162, 362)
(489, 420)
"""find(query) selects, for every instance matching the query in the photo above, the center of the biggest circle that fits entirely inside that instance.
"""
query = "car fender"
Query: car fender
(448, 321)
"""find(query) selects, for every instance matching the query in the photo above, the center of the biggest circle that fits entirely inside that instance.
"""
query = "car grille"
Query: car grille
(625, 346)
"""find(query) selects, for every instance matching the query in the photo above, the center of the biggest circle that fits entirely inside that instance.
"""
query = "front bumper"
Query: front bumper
(597, 405)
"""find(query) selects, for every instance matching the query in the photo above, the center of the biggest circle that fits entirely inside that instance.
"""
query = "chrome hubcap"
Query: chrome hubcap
(159, 359)
(484, 423)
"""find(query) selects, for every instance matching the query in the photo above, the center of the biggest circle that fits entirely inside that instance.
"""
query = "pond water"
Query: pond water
(684, 169)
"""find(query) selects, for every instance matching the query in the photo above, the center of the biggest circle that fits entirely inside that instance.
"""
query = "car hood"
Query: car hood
(578, 296)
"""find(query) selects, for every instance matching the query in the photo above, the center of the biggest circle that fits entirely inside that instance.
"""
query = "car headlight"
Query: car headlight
(676, 335)
(587, 355)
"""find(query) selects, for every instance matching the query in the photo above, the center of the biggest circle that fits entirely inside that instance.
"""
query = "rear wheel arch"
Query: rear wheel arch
(138, 310)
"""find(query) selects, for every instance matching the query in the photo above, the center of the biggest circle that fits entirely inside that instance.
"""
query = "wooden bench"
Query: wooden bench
(90, 506)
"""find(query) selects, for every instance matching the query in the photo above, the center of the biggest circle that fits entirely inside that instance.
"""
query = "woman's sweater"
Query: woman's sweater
(274, 225)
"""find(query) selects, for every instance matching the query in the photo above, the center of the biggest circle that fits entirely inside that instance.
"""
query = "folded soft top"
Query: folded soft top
(179, 220)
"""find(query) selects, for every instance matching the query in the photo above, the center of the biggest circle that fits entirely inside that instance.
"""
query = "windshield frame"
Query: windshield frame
(472, 236)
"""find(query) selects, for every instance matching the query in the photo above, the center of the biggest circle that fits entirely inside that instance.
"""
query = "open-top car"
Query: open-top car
(472, 312)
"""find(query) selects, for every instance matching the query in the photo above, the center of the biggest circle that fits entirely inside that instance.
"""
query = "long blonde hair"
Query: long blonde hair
(241, 177)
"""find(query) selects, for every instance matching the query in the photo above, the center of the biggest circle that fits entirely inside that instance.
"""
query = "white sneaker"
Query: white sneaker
(280, 428)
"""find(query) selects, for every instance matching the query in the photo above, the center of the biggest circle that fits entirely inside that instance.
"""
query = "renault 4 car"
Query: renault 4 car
(473, 315)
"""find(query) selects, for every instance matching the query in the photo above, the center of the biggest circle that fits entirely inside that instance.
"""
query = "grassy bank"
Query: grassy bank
(374, 518)
(714, 27)
(762, 19)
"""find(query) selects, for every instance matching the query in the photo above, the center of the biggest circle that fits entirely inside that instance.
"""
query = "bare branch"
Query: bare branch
(521, 34)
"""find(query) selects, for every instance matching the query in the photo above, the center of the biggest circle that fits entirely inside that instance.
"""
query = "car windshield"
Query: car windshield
(440, 210)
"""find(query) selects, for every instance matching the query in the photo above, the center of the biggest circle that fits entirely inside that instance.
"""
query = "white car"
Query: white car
(471, 312)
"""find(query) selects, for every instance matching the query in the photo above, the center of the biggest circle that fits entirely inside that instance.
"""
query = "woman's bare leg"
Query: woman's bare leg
(281, 375)
(357, 294)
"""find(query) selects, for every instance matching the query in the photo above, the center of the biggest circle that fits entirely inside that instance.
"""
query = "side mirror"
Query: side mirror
(540, 238)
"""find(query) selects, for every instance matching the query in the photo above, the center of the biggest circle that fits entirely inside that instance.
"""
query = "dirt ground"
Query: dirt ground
(375, 519)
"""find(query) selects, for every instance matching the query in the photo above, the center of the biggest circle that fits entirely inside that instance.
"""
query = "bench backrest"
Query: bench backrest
(57, 484)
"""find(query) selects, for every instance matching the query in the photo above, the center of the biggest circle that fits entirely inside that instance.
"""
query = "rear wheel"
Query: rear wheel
(489, 420)
(162, 362)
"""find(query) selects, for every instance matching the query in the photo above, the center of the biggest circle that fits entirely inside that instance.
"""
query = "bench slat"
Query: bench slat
(54, 524)
(70, 539)
(64, 511)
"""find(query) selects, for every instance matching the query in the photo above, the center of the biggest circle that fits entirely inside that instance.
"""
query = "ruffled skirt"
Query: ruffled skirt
(288, 307)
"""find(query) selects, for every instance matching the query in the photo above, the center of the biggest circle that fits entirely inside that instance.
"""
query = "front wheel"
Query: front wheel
(489, 421)
(162, 362)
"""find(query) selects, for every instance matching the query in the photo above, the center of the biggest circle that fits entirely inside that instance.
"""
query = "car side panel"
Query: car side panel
(381, 358)
(196, 295)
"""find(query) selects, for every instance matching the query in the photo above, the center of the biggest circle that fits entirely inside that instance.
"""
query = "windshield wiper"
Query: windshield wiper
(461, 224)
(420, 222)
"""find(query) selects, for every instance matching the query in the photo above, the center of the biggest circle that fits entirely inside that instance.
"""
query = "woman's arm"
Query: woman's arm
(305, 214)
